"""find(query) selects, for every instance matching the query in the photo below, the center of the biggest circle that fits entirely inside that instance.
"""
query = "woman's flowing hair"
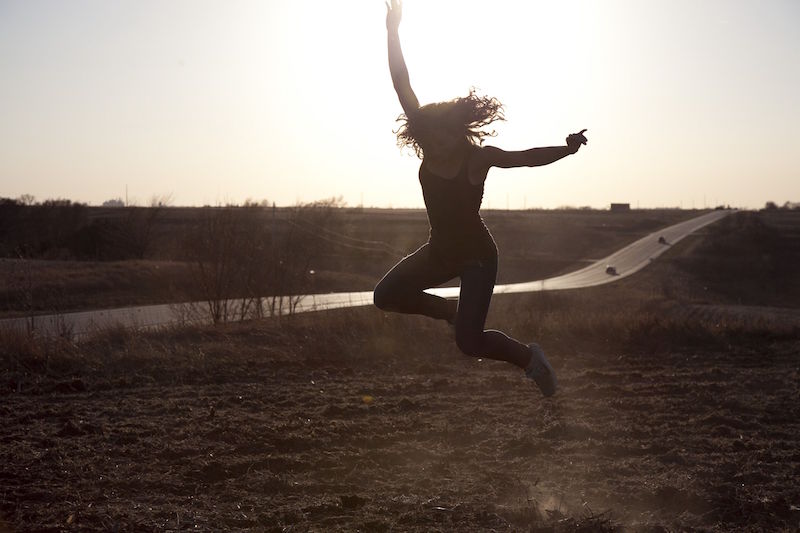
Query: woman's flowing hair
(462, 116)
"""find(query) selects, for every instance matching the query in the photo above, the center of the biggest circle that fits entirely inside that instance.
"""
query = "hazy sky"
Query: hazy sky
(687, 102)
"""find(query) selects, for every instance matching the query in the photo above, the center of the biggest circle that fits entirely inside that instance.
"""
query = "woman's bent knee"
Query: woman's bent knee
(382, 298)
(469, 345)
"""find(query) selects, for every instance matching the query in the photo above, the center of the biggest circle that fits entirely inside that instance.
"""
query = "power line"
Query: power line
(383, 247)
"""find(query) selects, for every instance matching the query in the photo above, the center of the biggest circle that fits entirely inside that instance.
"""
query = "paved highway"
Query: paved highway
(626, 261)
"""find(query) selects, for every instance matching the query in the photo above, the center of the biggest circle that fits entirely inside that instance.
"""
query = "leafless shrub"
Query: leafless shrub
(300, 242)
(224, 246)
(250, 263)
(139, 226)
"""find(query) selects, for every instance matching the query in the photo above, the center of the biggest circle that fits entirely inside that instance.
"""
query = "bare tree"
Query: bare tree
(140, 223)
(27, 199)
(226, 247)
(249, 262)
(301, 243)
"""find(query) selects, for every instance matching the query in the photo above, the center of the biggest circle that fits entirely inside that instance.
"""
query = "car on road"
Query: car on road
(611, 270)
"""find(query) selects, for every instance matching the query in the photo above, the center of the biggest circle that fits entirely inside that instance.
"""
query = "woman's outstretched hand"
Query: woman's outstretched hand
(575, 140)
(394, 12)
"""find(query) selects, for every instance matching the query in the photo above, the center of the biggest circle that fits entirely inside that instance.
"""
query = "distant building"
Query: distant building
(620, 207)
(114, 202)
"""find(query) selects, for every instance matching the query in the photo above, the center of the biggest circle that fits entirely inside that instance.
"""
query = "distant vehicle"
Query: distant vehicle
(611, 270)
(662, 240)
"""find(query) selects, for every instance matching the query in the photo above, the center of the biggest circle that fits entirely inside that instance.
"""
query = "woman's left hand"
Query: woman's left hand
(394, 13)
(575, 140)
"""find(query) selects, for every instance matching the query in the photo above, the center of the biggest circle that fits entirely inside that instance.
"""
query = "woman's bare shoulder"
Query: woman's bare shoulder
(480, 163)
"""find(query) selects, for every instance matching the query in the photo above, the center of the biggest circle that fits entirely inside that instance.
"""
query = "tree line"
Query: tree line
(237, 254)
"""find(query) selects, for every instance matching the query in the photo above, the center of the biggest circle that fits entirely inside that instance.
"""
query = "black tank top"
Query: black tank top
(457, 229)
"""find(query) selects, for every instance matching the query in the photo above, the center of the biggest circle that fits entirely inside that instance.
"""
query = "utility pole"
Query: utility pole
(272, 230)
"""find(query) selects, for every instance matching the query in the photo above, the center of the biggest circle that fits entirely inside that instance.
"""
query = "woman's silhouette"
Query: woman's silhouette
(447, 137)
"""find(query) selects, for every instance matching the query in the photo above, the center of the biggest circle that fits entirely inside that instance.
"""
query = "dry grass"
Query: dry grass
(609, 319)
(662, 309)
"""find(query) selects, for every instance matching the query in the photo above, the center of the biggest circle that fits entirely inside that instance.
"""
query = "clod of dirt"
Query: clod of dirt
(333, 411)
(406, 405)
(72, 429)
(66, 387)
(352, 501)
(213, 472)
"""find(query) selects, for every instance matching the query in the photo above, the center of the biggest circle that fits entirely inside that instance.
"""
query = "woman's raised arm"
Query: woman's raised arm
(397, 64)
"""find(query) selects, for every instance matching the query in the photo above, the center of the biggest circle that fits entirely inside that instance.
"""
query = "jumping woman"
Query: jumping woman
(447, 136)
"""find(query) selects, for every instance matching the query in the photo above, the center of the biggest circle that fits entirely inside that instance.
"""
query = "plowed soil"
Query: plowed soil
(417, 442)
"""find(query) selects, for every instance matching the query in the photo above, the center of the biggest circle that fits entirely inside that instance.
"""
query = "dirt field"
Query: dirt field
(678, 410)
(416, 442)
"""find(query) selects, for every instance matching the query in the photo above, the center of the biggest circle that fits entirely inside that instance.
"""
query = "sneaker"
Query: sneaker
(540, 371)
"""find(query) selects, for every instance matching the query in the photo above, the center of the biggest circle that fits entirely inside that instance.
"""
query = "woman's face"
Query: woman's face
(440, 131)
(443, 134)
(442, 140)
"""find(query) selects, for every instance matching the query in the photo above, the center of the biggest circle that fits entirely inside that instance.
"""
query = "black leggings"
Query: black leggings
(401, 290)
